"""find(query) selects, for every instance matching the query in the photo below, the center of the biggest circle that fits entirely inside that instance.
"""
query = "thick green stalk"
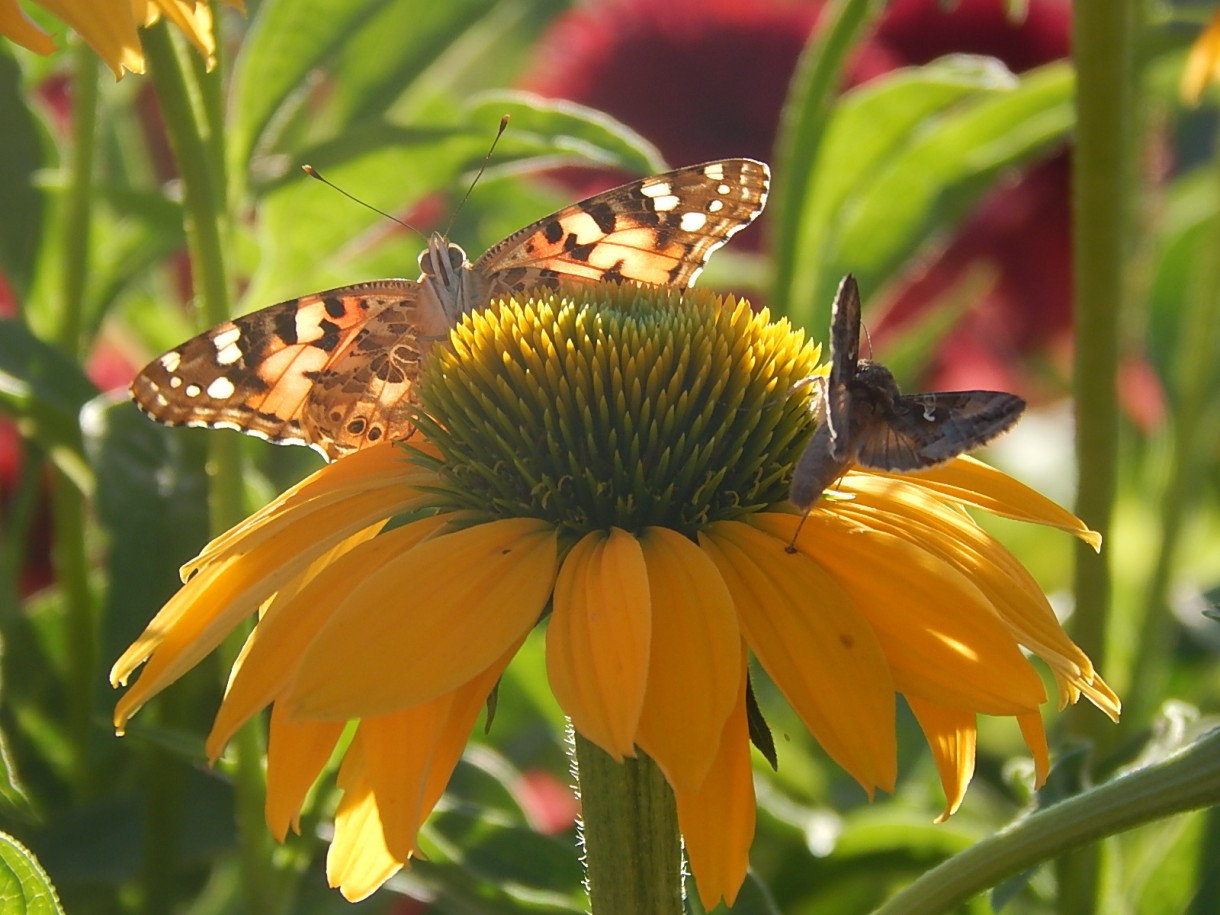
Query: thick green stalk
(185, 107)
(69, 553)
(1103, 47)
(633, 852)
(1189, 780)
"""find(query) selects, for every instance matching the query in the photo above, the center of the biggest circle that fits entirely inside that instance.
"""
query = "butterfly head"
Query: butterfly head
(442, 260)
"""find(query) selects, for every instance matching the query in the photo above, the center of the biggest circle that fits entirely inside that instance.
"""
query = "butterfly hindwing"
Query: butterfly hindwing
(335, 369)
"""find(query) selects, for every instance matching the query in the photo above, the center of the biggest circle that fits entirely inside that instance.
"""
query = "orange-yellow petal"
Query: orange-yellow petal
(1035, 739)
(400, 765)
(597, 639)
(1203, 63)
(717, 821)
(942, 638)
(108, 28)
(192, 18)
(358, 860)
(971, 482)
(695, 664)
(952, 735)
(270, 655)
(17, 26)
(427, 620)
(817, 647)
(297, 751)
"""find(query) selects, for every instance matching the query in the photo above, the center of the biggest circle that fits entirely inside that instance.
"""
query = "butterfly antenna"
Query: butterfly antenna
(482, 168)
(791, 547)
(314, 173)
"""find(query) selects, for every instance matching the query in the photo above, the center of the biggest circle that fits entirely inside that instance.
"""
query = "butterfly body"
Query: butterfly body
(866, 420)
(335, 369)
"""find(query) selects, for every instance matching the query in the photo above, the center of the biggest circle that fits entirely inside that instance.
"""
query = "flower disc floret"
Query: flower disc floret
(617, 408)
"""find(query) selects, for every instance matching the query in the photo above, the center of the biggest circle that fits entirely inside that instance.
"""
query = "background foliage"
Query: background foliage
(396, 101)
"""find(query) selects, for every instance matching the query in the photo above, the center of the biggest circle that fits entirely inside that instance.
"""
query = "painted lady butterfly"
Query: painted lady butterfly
(334, 370)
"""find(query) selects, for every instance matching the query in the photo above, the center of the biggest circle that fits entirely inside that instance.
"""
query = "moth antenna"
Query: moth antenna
(314, 173)
(479, 174)
(868, 338)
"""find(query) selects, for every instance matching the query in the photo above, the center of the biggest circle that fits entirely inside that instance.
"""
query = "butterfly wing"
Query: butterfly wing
(272, 373)
(923, 430)
(660, 230)
(844, 358)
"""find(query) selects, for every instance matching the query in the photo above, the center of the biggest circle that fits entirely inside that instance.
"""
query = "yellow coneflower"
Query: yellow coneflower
(110, 26)
(621, 457)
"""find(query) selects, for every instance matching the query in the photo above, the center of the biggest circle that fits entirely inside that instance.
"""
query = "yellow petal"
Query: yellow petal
(971, 482)
(942, 638)
(717, 821)
(597, 639)
(358, 482)
(1035, 739)
(270, 655)
(17, 26)
(695, 664)
(393, 775)
(819, 650)
(108, 28)
(952, 735)
(194, 20)
(427, 621)
(1202, 64)
(297, 751)
(358, 860)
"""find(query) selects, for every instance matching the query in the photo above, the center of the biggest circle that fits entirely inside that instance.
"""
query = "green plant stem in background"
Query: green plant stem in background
(69, 553)
(1103, 43)
(1194, 429)
(1189, 780)
(633, 853)
(185, 108)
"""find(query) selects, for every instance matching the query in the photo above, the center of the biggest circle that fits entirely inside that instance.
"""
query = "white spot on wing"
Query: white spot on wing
(192, 390)
(170, 361)
(221, 389)
(659, 189)
(175, 381)
(664, 204)
(692, 222)
(715, 206)
(228, 355)
(715, 171)
(226, 337)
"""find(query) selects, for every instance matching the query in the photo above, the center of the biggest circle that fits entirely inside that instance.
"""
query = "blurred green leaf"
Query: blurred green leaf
(43, 390)
(152, 503)
(286, 42)
(559, 132)
(904, 158)
(25, 888)
(21, 156)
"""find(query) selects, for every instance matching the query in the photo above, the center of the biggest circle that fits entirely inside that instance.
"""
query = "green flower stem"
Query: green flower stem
(1103, 46)
(633, 853)
(69, 552)
(1189, 780)
(184, 105)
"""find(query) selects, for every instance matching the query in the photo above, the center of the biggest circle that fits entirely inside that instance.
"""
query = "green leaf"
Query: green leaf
(904, 159)
(560, 132)
(286, 42)
(25, 888)
(43, 390)
(21, 156)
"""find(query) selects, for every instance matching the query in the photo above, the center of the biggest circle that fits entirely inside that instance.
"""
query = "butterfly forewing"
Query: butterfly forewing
(256, 373)
(335, 369)
(658, 231)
